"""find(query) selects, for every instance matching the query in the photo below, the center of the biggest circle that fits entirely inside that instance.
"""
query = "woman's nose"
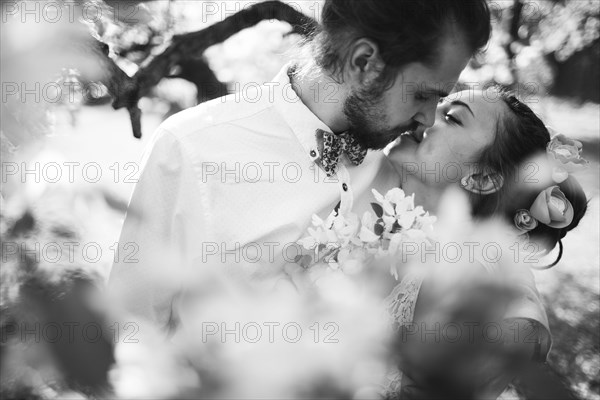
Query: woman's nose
(419, 133)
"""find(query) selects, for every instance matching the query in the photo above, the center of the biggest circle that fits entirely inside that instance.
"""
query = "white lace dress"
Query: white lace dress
(401, 304)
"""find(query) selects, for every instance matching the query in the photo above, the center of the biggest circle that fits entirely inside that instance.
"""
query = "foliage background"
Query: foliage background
(547, 50)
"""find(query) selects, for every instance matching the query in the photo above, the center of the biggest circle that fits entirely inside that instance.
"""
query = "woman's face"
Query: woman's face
(465, 124)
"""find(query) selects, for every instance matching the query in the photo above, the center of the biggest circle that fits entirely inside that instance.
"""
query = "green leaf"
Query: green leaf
(378, 209)
(305, 261)
(378, 229)
(23, 225)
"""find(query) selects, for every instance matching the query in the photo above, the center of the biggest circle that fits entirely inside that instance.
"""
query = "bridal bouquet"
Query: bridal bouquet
(346, 242)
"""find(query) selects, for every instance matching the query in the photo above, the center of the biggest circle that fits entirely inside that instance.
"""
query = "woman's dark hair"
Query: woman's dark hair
(520, 137)
(405, 30)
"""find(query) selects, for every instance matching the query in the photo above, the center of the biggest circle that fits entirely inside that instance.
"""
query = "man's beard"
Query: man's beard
(366, 117)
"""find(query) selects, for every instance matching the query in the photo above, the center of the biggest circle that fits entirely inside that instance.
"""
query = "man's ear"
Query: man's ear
(365, 61)
(482, 182)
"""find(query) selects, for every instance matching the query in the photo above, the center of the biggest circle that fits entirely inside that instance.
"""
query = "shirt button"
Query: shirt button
(345, 187)
(313, 153)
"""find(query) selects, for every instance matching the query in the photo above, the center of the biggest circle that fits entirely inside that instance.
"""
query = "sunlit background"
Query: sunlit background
(548, 51)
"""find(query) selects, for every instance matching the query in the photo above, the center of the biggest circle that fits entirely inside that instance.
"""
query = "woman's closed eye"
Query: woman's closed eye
(452, 119)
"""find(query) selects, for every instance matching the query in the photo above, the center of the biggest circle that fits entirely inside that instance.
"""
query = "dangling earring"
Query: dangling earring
(482, 184)
(464, 181)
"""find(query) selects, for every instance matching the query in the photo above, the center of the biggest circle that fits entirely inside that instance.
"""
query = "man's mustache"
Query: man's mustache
(396, 133)
(411, 127)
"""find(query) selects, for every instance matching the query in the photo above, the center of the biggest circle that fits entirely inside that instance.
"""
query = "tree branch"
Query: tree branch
(183, 49)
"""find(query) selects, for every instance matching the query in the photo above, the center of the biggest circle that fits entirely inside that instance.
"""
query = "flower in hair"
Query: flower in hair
(552, 208)
(524, 221)
(565, 153)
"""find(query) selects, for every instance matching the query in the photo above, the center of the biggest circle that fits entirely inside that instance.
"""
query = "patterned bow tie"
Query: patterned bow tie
(335, 145)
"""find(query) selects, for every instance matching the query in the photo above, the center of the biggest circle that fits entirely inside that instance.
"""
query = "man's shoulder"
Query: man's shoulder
(211, 116)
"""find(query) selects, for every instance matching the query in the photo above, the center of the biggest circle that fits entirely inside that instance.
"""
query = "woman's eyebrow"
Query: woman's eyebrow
(460, 103)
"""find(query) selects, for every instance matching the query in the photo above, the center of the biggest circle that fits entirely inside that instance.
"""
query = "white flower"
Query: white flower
(388, 208)
(378, 196)
(407, 204)
(331, 237)
(349, 242)
(368, 220)
(425, 223)
(367, 236)
(395, 195)
(406, 220)
(320, 234)
(328, 223)
(419, 210)
(346, 227)
(386, 202)
(314, 238)
(308, 243)
(388, 222)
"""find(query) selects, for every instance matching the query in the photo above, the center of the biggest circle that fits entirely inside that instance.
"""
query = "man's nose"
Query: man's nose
(426, 116)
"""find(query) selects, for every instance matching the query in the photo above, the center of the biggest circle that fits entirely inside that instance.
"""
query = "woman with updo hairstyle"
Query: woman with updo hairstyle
(521, 135)
(512, 170)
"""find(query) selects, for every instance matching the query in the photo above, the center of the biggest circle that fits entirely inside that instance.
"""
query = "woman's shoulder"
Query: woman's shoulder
(526, 315)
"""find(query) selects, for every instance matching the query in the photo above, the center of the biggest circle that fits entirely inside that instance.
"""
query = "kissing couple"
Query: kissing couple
(238, 175)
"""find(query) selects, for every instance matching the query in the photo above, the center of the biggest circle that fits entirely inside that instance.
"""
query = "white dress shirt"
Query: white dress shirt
(232, 184)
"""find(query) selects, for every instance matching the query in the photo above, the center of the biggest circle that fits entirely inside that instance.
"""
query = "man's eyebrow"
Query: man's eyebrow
(460, 103)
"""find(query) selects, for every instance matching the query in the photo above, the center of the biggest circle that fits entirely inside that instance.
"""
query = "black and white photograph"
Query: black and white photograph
(300, 199)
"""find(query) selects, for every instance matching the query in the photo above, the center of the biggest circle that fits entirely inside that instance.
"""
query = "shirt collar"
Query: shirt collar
(299, 118)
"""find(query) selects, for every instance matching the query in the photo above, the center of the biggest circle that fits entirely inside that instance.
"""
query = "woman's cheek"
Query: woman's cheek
(427, 151)
(435, 159)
